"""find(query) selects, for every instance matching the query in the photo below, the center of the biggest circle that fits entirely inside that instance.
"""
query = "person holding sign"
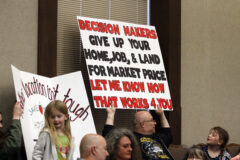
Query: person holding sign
(11, 140)
(93, 147)
(153, 143)
(55, 140)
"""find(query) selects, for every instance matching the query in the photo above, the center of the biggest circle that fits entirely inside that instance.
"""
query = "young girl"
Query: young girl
(216, 142)
(55, 139)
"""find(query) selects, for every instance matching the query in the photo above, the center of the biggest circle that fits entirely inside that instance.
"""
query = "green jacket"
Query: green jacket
(10, 144)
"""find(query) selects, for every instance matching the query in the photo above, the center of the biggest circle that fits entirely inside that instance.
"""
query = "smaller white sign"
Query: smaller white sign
(34, 92)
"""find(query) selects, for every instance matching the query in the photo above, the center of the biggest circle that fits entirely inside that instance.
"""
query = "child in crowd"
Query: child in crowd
(195, 153)
(55, 139)
(216, 144)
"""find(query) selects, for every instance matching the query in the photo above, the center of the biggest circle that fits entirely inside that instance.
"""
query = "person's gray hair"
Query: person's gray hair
(113, 139)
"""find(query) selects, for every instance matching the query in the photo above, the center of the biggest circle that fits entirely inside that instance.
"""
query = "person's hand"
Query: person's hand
(163, 120)
(159, 110)
(110, 115)
(111, 110)
(17, 111)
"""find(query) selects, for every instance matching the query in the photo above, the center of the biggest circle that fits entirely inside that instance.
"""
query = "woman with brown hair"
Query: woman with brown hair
(122, 145)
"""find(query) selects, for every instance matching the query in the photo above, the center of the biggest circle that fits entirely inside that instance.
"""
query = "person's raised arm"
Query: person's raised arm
(14, 139)
(110, 115)
(163, 120)
(109, 124)
(17, 111)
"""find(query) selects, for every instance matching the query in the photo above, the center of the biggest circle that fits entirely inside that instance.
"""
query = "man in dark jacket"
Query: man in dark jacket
(11, 139)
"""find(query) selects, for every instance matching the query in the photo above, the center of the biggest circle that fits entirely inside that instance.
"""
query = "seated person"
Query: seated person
(11, 140)
(216, 144)
(93, 147)
(122, 145)
(153, 144)
(195, 153)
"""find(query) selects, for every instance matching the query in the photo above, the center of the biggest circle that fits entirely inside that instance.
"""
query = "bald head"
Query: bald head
(87, 142)
(144, 123)
(141, 116)
(91, 145)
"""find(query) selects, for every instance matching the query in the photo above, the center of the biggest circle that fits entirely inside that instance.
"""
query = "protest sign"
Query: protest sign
(34, 92)
(124, 64)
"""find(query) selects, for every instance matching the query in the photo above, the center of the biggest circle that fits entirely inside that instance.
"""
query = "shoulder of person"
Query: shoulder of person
(226, 154)
(44, 132)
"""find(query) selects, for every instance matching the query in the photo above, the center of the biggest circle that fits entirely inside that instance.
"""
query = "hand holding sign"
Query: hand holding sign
(17, 111)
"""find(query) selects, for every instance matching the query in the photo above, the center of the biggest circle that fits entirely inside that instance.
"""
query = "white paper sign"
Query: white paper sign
(125, 64)
(34, 92)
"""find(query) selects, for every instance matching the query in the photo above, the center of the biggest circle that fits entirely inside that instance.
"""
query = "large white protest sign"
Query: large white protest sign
(124, 64)
(34, 92)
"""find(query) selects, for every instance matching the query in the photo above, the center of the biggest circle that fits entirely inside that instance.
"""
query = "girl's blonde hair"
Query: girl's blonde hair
(61, 107)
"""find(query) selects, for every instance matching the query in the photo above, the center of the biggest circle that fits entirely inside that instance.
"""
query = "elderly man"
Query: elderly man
(153, 143)
(93, 147)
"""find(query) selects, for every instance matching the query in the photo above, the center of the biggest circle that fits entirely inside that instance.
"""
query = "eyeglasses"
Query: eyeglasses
(151, 120)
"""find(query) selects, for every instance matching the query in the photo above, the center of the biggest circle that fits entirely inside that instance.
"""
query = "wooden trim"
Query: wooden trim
(47, 37)
(166, 17)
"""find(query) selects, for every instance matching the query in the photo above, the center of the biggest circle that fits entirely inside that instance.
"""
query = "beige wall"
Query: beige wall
(210, 68)
(18, 46)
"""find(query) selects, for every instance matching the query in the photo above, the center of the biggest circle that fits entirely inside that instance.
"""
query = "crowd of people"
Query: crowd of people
(145, 142)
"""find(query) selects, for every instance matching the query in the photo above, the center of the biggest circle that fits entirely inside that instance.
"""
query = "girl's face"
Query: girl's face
(213, 138)
(58, 119)
(124, 149)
